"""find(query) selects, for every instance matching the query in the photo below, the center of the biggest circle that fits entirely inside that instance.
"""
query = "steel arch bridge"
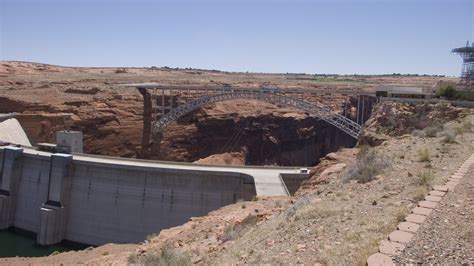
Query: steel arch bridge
(343, 123)
(164, 104)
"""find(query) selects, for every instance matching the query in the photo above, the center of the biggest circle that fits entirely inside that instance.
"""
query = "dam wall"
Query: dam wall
(11, 131)
(97, 201)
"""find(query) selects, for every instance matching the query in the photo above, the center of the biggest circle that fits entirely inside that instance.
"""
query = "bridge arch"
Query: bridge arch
(318, 110)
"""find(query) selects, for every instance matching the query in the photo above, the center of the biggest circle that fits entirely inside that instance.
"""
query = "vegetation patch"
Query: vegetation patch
(420, 193)
(167, 256)
(433, 130)
(449, 91)
(424, 178)
(449, 138)
(467, 126)
(233, 230)
(424, 154)
(366, 167)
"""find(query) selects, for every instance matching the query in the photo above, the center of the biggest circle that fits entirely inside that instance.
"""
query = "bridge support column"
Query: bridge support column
(54, 211)
(147, 112)
(10, 174)
(155, 143)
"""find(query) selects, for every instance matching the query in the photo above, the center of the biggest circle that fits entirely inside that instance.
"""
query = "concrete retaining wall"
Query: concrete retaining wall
(96, 202)
(293, 181)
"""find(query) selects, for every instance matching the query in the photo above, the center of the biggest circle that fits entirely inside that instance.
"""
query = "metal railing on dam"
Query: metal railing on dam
(96, 200)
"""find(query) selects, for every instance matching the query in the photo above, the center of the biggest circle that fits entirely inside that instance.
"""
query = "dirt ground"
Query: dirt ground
(447, 238)
(330, 221)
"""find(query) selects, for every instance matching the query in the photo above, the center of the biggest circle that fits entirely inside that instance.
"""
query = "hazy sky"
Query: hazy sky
(364, 37)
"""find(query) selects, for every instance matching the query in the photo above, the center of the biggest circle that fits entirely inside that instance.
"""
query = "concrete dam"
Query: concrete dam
(96, 200)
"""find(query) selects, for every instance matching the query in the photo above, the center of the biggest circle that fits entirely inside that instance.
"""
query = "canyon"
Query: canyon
(50, 98)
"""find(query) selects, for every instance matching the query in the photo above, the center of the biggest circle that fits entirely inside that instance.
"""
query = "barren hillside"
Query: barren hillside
(338, 217)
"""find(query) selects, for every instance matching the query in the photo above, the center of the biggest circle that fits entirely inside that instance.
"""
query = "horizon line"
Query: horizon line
(233, 72)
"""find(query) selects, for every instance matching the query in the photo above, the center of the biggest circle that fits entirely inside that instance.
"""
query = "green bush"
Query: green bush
(448, 91)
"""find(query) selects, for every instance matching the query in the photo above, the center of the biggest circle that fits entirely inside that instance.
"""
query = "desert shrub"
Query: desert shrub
(54, 253)
(424, 154)
(418, 133)
(167, 256)
(420, 193)
(402, 212)
(433, 130)
(458, 131)
(424, 178)
(449, 138)
(314, 211)
(234, 230)
(229, 233)
(132, 258)
(467, 126)
(170, 256)
(300, 202)
(366, 167)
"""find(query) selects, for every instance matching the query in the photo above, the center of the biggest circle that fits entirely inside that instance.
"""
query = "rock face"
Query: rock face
(396, 119)
(51, 98)
(266, 134)
(111, 125)
(269, 135)
(227, 158)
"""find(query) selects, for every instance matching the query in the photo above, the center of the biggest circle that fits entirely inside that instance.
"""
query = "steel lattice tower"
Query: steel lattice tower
(467, 73)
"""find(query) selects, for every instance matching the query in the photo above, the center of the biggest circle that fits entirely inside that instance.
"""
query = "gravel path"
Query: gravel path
(447, 237)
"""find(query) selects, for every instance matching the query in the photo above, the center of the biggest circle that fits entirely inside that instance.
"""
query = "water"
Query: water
(24, 245)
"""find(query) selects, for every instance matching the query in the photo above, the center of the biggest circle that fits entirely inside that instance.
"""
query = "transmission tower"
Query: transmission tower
(467, 73)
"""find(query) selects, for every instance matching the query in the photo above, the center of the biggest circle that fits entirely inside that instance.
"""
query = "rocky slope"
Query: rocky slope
(329, 221)
(50, 98)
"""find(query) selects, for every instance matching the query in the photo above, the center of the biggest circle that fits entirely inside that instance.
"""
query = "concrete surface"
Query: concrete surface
(12, 132)
(97, 200)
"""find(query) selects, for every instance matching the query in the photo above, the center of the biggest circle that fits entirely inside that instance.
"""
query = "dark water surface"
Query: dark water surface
(14, 244)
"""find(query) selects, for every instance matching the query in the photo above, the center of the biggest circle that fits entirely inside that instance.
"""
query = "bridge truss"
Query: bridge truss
(164, 105)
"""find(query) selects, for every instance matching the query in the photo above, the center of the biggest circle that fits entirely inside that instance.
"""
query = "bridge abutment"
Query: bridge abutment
(10, 174)
(54, 211)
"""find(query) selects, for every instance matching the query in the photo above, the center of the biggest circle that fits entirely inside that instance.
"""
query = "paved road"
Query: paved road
(267, 179)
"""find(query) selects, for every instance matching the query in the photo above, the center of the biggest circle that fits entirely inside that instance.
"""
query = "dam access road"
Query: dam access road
(97, 200)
